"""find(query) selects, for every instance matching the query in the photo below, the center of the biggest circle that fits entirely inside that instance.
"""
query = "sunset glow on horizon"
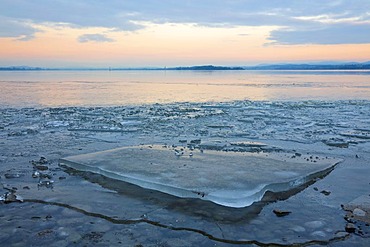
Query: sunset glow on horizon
(176, 33)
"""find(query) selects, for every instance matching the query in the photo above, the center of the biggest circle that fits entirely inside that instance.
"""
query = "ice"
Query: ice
(356, 134)
(233, 179)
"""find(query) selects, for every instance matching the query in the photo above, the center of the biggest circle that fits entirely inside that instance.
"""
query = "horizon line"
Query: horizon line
(272, 66)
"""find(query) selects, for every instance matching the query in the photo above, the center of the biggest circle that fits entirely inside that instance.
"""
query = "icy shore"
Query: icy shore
(61, 201)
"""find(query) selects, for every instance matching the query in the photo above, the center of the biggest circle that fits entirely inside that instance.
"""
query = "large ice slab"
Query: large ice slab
(234, 179)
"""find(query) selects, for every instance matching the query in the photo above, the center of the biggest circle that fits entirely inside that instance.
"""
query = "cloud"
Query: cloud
(94, 38)
(296, 19)
(18, 29)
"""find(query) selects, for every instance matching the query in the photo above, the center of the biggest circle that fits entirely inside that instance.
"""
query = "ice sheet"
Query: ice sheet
(234, 179)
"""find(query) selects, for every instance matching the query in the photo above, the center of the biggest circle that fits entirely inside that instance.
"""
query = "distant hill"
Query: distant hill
(206, 67)
(20, 68)
(343, 66)
(318, 66)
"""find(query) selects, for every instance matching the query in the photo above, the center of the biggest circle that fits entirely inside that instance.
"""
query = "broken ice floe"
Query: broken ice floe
(226, 178)
(10, 197)
(356, 134)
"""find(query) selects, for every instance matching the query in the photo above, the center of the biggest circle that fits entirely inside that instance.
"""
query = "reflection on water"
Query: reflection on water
(103, 88)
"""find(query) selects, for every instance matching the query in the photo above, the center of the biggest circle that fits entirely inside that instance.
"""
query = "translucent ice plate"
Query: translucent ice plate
(234, 179)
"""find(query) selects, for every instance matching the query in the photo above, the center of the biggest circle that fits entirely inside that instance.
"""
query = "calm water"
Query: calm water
(110, 88)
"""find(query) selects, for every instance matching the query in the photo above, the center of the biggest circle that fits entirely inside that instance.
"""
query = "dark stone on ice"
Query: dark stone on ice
(44, 175)
(196, 141)
(325, 192)
(350, 227)
(40, 163)
(45, 232)
(43, 160)
(12, 175)
(36, 174)
(281, 213)
(41, 167)
(46, 183)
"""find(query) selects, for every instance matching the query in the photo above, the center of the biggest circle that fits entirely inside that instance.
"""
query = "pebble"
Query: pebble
(12, 175)
(350, 228)
(281, 213)
(36, 174)
(45, 233)
(359, 212)
(196, 141)
(41, 167)
(46, 183)
(325, 192)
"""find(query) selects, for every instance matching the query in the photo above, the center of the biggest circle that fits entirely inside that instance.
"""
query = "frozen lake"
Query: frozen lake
(113, 88)
(310, 116)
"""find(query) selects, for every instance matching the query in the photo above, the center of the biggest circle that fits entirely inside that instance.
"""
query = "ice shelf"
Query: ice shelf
(233, 179)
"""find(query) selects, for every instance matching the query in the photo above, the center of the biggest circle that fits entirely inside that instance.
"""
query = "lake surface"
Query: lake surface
(46, 116)
(113, 88)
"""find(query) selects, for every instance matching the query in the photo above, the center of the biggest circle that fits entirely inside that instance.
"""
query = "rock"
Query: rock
(359, 212)
(44, 233)
(196, 141)
(10, 197)
(45, 175)
(325, 192)
(12, 175)
(41, 167)
(41, 164)
(43, 160)
(46, 183)
(350, 227)
(337, 143)
(281, 213)
(358, 209)
(36, 174)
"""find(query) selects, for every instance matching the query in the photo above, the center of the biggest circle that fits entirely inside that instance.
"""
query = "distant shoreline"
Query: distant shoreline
(346, 66)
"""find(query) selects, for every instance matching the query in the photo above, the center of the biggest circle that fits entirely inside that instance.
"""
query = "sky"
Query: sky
(158, 33)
